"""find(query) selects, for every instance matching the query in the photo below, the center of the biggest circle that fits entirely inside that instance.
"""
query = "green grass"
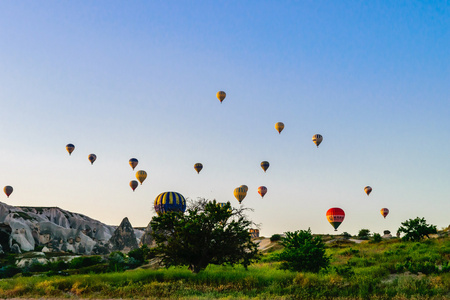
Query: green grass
(386, 270)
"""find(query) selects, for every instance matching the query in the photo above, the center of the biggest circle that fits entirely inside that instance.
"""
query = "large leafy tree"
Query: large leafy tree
(416, 229)
(205, 234)
(303, 252)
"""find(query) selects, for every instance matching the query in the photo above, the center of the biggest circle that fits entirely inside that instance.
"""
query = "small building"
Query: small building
(254, 233)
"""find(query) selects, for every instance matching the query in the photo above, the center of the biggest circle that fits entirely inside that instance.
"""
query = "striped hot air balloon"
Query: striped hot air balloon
(335, 216)
(384, 212)
(92, 158)
(141, 175)
(317, 139)
(221, 95)
(8, 190)
(133, 162)
(265, 165)
(169, 201)
(279, 126)
(262, 190)
(240, 194)
(70, 148)
(368, 190)
(198, 167)
(134, 184)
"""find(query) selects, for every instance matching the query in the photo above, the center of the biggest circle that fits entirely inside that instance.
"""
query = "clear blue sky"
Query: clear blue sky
(138, 79)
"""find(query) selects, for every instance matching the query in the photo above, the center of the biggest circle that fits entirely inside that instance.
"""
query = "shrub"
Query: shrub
(303, 252)
(275, 237)
(84, 261)
(364, 234)
(347, 235)
(376, 238)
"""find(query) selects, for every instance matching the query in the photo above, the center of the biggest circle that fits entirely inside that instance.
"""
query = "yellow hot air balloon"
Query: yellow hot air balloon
(384, 212)
(317, 139)
(279, 127)
(245, 187)
(141, 175)
(133, 162)
(198, 167)
(221, 95)
(70, 148)
(240, 194)
(265, 165)
(8, 190)
(92, 158)
(368, 190)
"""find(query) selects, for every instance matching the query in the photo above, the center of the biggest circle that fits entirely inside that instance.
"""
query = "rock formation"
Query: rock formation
(147, 238)
(124, 239)
(55, 228)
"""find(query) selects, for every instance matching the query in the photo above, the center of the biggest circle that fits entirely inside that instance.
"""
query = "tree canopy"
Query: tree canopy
(416, 229)
(205, 234)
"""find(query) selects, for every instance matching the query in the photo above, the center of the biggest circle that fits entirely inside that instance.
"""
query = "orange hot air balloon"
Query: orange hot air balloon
(70, 148)
(265, 165)
(133, 162)
(134, 184)
(141, 175)
(279, 126)
(368, 190)
(245, 187)
(198, 167)
(92, 158)
(262, 190)
(221, 95)
(335, 216)
(384, 212)
(8, 190)
(240, 194)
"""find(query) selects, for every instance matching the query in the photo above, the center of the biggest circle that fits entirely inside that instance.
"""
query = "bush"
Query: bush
(84, 261)
(376, 238)
(303, 252)
(347, 235)
(364, 234)
(275, 237)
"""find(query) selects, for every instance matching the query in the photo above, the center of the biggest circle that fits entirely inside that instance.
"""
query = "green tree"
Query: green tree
(303, 252)
(416, 229)
(364, 234)
(376, 238)
(205, 234)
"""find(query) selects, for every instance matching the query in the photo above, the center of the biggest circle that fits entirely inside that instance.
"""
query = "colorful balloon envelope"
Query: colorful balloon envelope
(8, 190)
(198, 167)
(335, 216)
(279, 127)
(262, 190)
(384, 212)
(221, 95)
(265, 165)
(240, 194)
(134, 184)
(92, 158)
(141, 175)
(317, 139)
(368, 190)
(70, 148)
(133, 162)
(169, 201)
(245, 187)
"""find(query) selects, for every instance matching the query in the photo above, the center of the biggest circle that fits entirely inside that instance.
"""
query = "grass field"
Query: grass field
(388, 270)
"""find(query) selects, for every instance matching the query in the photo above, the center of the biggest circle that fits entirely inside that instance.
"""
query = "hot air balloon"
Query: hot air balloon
(317, 139)
(169, 201)
(8, 190)
(134, 184)
(198, 167)
(240, 194)
(133, 162)
(279, 127)
(92, 158)
(384, 212)
(141, 175)
(221, 95)
(368, 190)
(262, 190)
(245, 187)
(265, 165)
(70, 148)
(335, 216)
